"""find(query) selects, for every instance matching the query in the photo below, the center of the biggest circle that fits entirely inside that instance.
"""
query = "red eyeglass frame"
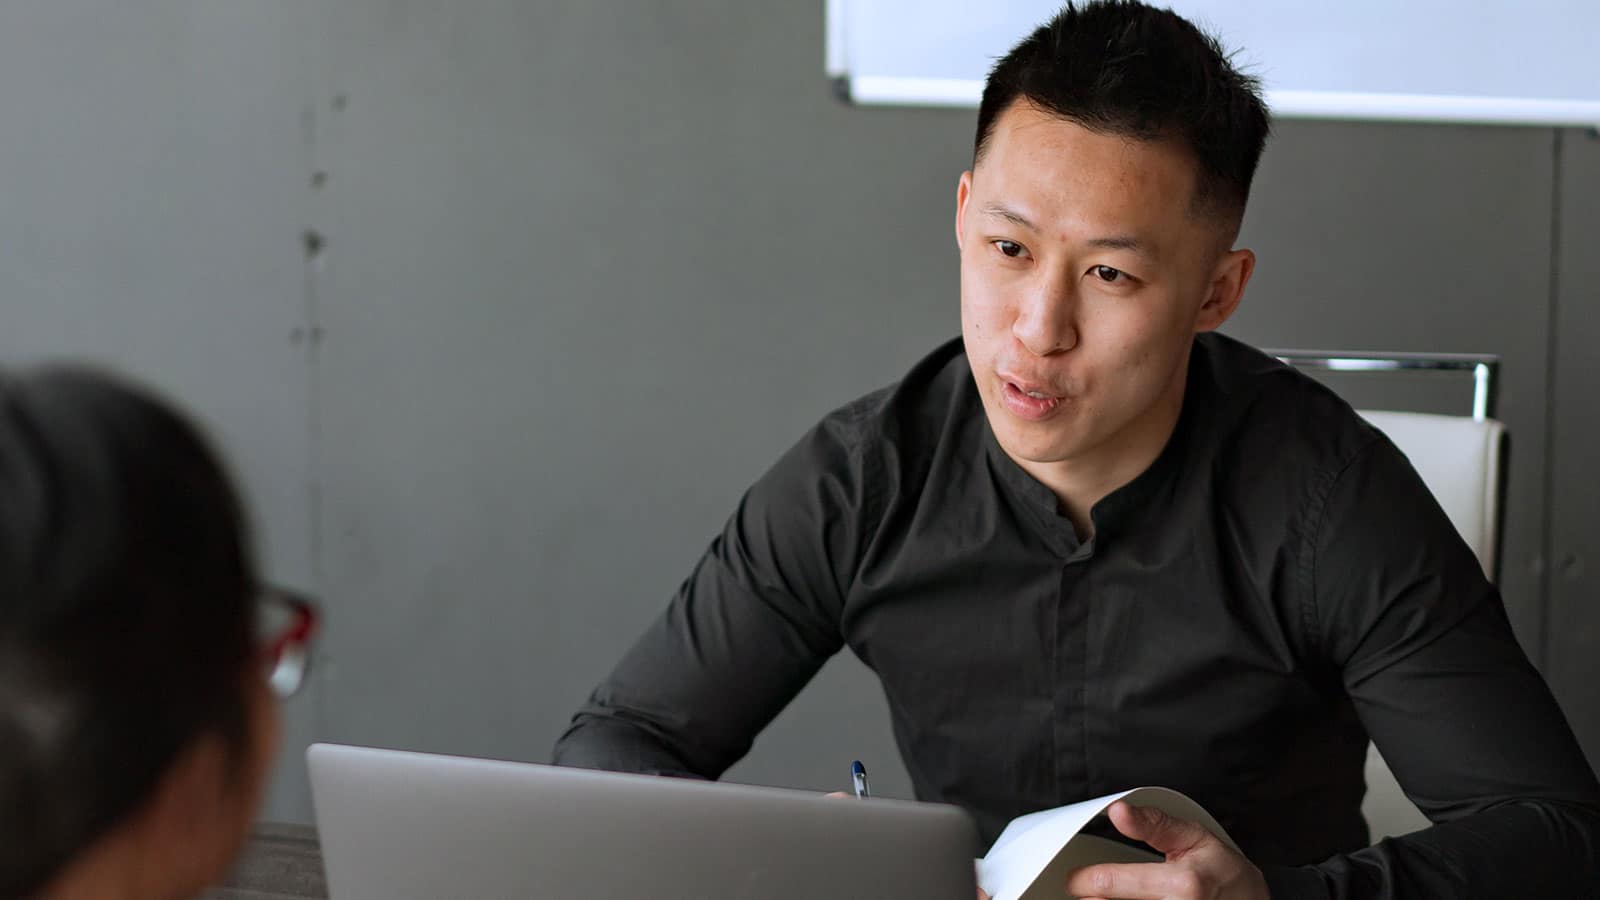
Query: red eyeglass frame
(294, 640)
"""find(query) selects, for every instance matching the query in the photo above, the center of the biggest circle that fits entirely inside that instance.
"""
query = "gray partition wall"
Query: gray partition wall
(500, 306)
(1572, 631)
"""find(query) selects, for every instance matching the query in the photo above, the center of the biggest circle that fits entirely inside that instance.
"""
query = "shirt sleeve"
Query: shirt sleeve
(1467, 724)
(753, 623)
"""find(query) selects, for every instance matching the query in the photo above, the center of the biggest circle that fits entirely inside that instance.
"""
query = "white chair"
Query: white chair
(1460, 459)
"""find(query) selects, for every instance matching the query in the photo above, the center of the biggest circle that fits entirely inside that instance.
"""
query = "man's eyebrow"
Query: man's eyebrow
(1010, 215)
(1127, 242)
(1120, 242)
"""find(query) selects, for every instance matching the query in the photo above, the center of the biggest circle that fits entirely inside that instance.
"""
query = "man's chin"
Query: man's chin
(1025, 445)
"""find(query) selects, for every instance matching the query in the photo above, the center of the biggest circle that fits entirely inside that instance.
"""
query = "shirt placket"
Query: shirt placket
(1069, 681)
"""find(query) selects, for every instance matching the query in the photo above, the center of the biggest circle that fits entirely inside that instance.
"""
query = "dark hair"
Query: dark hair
(1126, 68)
(126, 610)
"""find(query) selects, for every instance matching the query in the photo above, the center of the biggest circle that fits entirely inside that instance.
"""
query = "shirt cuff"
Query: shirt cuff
(676, 773)
(1295, 883)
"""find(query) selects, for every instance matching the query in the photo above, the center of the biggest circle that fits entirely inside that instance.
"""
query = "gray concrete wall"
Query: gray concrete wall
(588, 268)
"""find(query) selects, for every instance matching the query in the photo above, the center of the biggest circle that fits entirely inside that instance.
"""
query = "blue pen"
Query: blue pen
(858, 779)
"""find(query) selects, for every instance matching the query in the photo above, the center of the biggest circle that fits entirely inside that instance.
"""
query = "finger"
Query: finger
(1134, 881)
(982, 895)
(1167, 834)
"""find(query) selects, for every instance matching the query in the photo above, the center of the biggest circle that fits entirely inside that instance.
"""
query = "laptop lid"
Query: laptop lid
(411, 826)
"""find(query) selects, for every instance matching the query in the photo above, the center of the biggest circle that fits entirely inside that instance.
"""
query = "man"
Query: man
(1095, 545)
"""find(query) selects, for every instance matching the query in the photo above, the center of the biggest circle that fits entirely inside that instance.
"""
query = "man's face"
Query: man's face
(1085, 273)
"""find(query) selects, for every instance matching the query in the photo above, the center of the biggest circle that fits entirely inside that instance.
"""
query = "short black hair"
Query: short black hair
(127, 610)
(1126, 68)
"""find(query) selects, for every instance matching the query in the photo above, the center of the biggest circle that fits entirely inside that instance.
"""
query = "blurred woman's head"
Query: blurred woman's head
(135, 723)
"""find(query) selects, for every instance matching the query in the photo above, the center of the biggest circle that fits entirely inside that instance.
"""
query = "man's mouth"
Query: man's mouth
(1028, 402)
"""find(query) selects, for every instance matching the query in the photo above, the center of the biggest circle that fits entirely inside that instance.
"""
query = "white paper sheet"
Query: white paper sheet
(1035, 853)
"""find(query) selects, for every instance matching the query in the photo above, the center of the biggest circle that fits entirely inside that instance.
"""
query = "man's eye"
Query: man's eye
(1108, 274)
(1010, 248)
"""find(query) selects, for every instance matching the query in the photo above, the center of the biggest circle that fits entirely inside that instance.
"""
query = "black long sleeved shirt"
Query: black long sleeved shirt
(1275, 588)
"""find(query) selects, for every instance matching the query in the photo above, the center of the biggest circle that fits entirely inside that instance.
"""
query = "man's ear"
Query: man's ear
(963, 192)
(1228, 279)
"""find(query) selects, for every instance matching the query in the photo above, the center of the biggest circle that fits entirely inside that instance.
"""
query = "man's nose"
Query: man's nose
(1047, 316)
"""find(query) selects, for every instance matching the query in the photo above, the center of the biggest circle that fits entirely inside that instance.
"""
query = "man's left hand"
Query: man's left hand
(1199, 866)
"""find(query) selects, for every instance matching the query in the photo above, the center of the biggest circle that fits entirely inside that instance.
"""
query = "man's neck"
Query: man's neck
(1084, 481)
(113, 868)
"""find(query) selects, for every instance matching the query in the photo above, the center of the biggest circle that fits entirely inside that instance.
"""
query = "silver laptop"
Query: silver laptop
(414, 826)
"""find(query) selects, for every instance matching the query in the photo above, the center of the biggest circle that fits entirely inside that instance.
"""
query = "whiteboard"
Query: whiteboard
(1529, 62)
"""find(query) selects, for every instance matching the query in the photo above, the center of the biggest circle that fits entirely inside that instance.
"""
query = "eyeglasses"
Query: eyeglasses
(285, 625)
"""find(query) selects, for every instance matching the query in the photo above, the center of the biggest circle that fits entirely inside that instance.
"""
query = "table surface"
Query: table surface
(281, 862)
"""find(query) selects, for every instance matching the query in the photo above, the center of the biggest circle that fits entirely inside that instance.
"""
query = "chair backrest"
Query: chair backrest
(1459, 459)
